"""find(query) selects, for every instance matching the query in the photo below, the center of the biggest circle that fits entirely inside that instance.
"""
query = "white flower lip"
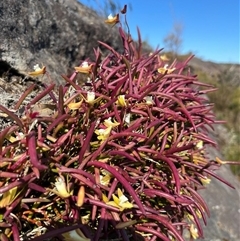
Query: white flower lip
(127, 118)
(84, 64)
(110, 16)
(90, 96)
(36, 67)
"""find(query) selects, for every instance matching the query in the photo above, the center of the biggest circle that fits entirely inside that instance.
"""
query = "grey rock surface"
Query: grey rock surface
(223, 201)
(55, 33)
(59, 34)
(224, 205)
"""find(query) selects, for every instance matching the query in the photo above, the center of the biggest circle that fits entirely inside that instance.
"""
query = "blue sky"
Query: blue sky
(210, 27)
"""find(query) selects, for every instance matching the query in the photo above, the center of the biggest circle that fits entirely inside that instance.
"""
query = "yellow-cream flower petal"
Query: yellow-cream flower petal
(112, 19)
(120, 202)
(114, 204)
(123, 200)
(193, 231)
(164, 57)
(149, 100)
(127, 118)
(165, 70)
(108, 123)
(115, 199)
(103, 134)
(75, 105)
(36, 67)
(190, 217)
(104, 180)
(121, 101)
(205, 180)
(85, 68)
(104, 198)
(199, 145)
(199, 214)
(37, 70)
(62, 188)
(90, 97)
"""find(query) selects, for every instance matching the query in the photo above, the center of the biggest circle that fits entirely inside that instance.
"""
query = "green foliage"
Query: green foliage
(227, 107)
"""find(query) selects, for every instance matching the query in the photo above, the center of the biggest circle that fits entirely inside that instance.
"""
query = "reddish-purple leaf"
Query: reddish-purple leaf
(170, 197)
(57, 121)
(167, 224)
(199, 199)
(32, 151)
(121, 179)
(86, 143)
(149, 230)
(24, 95)
(42, 94)
(174, 171)
(123, 154)
(12, 116)
(196, 219)
(19, 182)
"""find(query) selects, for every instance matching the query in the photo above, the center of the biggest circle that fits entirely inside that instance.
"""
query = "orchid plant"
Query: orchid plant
(120, 157)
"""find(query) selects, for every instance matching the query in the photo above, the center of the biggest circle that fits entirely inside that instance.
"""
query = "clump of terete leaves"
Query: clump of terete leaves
(120, 157)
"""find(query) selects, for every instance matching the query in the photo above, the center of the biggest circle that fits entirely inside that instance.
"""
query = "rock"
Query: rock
(223, 201)
(55, 33)
(224, 205)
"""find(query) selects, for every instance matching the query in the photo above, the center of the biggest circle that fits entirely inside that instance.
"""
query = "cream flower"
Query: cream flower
(75, 105)
(36, 67)
(164, 57)
(199, 214)
(205, 180)
(108, 123)
(149, 100)
(193, 231)
(165, 70)
(127, 118)
(37, 70)
(120, 201)
(84, 64)
(90, 97)
(105, 178)
(121, 101)
(103, 134)
(199, 145)
(61, 188)
(12, 139)
(112, 19)
(85, 68)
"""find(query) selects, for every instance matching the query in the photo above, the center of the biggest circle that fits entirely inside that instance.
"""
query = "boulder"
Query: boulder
(224, 205)
(54, 33)
(223, 201)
